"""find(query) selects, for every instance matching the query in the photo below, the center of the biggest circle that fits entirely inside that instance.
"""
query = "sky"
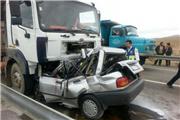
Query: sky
(153, 18)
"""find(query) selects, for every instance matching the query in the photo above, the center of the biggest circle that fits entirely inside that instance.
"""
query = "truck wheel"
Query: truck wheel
(17, 79)
(91, 108)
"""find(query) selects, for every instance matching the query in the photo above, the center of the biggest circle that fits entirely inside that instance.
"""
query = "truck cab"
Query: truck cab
(115, 35)
(37, 35)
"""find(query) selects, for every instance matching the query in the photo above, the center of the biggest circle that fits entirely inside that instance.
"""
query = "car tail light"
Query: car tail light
(121, 82)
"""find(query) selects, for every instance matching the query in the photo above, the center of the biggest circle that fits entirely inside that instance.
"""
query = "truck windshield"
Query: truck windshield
(67, 16)
(131, 30)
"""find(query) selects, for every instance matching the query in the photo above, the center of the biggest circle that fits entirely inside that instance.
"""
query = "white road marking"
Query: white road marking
(158, 68)
(162, 83)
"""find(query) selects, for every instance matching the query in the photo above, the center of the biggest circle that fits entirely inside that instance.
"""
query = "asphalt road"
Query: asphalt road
(157, 95)
(160, 74)
(155, 102)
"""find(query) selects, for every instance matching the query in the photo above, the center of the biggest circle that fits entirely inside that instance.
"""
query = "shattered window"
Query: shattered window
(91, 69)
(112, 59)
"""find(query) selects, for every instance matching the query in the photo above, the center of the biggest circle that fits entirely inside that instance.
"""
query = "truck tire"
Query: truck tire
(91, 108)
(19, 82)
(17, 79)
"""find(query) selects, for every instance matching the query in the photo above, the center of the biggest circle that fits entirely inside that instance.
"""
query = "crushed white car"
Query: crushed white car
(104, 78)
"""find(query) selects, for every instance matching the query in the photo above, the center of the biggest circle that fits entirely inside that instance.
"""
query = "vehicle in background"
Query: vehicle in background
(115, 35)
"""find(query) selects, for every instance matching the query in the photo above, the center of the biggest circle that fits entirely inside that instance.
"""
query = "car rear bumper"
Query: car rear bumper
(121, 97)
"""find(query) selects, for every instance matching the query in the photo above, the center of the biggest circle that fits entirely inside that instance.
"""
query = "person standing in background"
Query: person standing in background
(160, 50)
(168, 52)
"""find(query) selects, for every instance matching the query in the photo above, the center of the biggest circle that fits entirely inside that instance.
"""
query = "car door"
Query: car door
(24, 35)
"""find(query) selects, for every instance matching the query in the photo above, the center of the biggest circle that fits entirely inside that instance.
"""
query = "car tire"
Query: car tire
(91, 108)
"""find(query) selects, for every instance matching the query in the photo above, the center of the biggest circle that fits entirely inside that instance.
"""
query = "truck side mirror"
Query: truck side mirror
(16, 21)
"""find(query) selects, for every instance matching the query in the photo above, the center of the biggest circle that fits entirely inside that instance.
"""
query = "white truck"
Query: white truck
(53, 51)
(39, 33)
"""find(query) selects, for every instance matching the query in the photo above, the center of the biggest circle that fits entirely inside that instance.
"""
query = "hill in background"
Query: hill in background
(175, 43)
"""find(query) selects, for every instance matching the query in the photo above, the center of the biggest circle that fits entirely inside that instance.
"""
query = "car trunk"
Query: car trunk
(118, 63)
(125, 71)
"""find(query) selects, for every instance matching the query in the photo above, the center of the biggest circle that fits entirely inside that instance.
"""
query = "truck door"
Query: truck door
(117, 37)
(23, 35)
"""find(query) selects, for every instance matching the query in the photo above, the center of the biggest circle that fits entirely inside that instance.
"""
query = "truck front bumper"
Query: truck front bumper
(120, 97)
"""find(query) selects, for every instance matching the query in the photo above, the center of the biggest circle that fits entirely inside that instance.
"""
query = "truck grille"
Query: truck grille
(76, 47)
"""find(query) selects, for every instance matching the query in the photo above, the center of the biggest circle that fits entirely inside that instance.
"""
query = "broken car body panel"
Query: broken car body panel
(96, 82)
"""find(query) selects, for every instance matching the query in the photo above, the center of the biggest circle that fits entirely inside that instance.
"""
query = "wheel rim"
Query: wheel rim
(90, 108)
(17, 81)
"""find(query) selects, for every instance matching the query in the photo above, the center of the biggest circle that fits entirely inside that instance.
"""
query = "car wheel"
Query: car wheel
(17, 79)
(91, 107)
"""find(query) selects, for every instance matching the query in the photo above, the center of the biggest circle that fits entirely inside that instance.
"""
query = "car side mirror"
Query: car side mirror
(16, 21)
